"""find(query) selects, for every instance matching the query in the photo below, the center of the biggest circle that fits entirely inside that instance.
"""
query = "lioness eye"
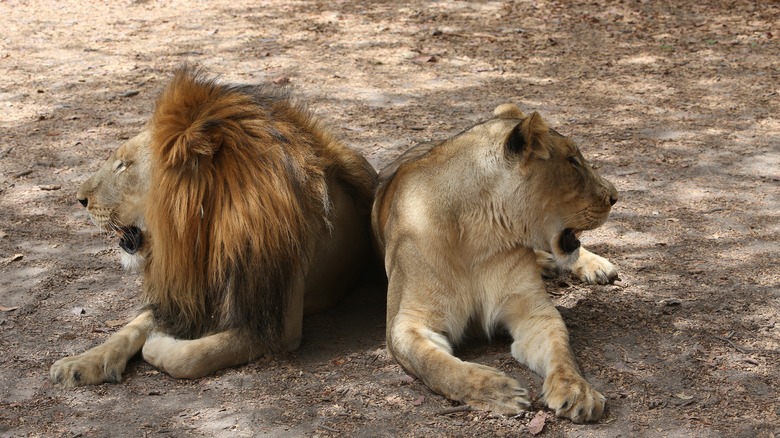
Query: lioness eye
(574, 162)
(119, 166)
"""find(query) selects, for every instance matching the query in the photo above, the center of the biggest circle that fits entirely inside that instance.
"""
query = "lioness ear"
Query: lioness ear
(508, 111)
(535, 132)
(516, 141)
(529, 136)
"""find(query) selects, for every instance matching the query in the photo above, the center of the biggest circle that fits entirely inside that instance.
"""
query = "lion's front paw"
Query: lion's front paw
(594, 269)
(492, 390)
(570, 396)
(89, 368)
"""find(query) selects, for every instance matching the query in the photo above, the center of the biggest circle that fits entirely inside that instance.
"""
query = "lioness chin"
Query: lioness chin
(467, 226)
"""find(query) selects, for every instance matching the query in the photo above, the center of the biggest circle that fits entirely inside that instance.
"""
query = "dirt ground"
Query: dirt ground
(676, 102)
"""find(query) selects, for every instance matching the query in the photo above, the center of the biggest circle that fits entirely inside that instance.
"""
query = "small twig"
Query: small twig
(456, 409)
(21, 174)
(473, 35)
(329, 429)
(744, 350)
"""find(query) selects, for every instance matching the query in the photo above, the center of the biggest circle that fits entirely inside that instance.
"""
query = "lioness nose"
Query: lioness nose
(83, 202)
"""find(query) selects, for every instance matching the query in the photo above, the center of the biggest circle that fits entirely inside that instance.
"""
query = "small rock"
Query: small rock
(17, 257)
(50, 187)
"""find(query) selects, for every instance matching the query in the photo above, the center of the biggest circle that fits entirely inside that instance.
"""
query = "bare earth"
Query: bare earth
(676, 102)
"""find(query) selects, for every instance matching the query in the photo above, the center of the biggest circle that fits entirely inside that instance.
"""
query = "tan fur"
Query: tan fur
(467, 227)
(251, 215)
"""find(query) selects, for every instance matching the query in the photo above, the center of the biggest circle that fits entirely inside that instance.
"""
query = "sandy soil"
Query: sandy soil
(676, 102)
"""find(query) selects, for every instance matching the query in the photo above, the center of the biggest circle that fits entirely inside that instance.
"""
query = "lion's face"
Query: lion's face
(114, 196)
(570, 195)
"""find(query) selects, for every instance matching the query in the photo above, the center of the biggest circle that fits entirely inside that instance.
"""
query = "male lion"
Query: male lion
(459, 223)
(247, 215)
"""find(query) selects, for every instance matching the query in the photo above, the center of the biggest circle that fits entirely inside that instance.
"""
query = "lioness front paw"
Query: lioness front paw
(492, 390)
(572, 397)
(547, 264)
(594, 269)
(89, 368)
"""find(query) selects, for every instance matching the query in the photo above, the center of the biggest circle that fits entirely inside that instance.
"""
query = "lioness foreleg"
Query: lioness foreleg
(541, 341)
(427, 354)
(107, 361)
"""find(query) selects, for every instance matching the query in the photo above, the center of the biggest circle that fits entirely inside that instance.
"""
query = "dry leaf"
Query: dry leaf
(407, 379)
(537, 423)
(8, 309)
(418, 401)
(395, 400)
(423, 59)
(116, 322)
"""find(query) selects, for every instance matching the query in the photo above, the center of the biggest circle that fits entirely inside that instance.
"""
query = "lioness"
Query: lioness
(244, 213)
(459, 223)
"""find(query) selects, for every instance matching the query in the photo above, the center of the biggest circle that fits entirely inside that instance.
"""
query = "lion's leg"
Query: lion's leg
(192, 359)
(541, 341)
(106, 362)
(428, 355)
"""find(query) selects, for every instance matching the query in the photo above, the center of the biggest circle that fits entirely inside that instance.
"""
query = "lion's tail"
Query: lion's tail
(226, 209)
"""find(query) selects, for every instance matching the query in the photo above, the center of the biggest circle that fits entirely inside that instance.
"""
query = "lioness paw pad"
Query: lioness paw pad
(594, 269)
(574, 398)
(495, 391)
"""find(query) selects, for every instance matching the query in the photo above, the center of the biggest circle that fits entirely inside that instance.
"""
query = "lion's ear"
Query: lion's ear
(508, 111)
(184, 128)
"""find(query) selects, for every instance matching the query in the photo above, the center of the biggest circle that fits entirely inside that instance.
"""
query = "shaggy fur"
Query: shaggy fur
(245, 214)
(227, 237)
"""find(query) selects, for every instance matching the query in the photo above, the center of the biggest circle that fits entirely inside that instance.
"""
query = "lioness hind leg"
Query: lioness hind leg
(541, 341)
(428, 355)
(106, 362)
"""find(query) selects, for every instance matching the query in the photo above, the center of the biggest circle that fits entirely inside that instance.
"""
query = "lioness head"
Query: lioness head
(573, 197)
(114, 196)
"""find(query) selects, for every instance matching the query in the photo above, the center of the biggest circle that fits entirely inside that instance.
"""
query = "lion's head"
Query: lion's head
(569, 195)
(114, 196)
